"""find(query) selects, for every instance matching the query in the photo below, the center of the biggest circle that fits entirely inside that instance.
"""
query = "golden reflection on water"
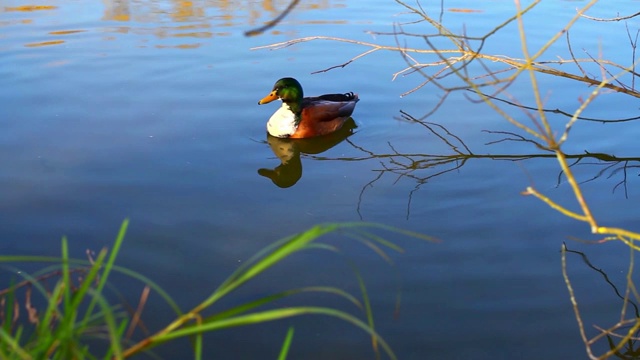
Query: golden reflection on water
(30, 8)
(65, 32)
(14, 22)
(181, 46)
(163, 19)
(45, 43)
(227, 13)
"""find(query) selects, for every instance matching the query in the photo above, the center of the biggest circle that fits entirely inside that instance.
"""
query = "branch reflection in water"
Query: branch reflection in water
(421, 167)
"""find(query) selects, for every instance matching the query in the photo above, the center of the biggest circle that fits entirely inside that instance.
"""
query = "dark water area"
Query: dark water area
(148, 111)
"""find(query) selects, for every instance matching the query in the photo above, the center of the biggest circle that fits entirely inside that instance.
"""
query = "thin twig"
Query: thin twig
(274, 22)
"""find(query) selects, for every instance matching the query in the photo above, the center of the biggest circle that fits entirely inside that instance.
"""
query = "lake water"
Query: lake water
(148, 110)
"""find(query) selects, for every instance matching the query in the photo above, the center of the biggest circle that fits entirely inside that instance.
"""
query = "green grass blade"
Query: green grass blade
(89, 278)
(66, 276)
(9, 308)
(32, 281)
(363, 234)
(237, 310)
(69, 320)
(130, 273)
(238, 278)
(198, 347)
(321, 246)
(29, 258)
(367, 303)
(153, 285)
(295, 243)
(252, 260)
(121, 329)
(110, 322)
(13, 345)
(375, 248)
(109, 264)
(286, 345)
(272, 315)
(393, 229)
(18, 334)
(45, 326)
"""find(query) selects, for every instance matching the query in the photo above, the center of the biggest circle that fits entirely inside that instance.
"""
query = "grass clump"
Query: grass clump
(76, 314)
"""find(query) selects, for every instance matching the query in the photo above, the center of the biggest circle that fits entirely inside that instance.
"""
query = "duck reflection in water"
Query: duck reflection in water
(288, 151)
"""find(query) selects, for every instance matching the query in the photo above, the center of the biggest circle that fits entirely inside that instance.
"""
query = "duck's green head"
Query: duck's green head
(287, 89)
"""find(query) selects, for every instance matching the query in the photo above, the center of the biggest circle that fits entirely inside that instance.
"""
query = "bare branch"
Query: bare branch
(619, 18)
(274, 22)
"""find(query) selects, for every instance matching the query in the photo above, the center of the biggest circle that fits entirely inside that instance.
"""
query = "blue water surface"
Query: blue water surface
(147, 110)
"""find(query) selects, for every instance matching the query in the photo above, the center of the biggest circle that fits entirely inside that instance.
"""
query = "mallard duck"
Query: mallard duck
(304, 117)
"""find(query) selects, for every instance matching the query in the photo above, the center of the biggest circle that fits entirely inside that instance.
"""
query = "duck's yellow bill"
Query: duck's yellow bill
(269, 98)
